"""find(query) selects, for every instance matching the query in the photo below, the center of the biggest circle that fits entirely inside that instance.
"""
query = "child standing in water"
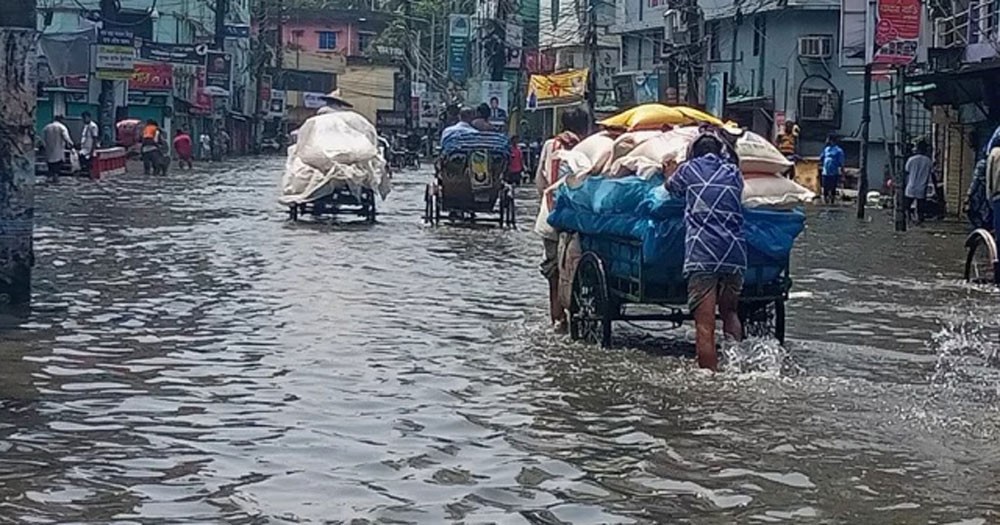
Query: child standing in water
(715, 255)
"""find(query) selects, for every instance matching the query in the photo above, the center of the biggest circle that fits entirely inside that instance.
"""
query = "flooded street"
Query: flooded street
(195, 358)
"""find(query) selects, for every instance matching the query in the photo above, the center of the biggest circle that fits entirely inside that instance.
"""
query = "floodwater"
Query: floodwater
(194, 358)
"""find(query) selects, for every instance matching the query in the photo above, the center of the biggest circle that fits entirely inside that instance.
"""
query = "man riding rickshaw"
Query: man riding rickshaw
(470, 174)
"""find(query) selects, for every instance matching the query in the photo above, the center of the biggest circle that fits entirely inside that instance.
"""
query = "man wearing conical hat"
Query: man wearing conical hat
(334, 103)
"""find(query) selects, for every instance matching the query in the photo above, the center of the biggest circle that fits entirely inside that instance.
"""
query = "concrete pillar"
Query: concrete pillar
(17, 151)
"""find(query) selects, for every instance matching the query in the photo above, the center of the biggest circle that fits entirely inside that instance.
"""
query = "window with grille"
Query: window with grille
(327, 40)
(365, 41)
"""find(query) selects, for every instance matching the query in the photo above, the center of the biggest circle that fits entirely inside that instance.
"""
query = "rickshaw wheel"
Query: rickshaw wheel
(764, 319)
(590, 305)
(981, 257)
(509, 196)
(370, 212)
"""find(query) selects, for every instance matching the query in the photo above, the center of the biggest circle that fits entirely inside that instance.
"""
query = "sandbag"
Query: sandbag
(343, 137)
(648, 158)
(758, 155)
(625, 143)
(658, 116)
(772, 191)
(597, 148)
(334, 150)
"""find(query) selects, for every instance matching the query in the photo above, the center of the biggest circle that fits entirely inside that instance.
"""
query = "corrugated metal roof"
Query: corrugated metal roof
(715, 9)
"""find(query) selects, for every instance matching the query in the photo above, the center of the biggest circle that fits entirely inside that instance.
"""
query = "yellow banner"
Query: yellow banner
(557, 88)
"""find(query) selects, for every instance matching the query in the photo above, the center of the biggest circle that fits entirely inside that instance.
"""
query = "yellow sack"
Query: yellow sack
(656, 116)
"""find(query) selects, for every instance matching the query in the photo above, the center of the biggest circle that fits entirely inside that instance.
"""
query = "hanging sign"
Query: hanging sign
(115, 56)
(897, 32)
(152, 77)
(459, 31)
(190, 54)
(558, 88)
(218, 73)
(515, 40)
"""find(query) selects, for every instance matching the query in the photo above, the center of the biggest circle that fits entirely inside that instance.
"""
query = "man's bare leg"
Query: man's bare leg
(704, 325)
(556, 311)
(729, 311)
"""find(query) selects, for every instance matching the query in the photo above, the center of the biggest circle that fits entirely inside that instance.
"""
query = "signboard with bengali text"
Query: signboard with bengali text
(897, 31)
(152, 77)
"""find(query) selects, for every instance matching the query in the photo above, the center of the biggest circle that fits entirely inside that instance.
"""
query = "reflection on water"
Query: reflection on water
(196, 358)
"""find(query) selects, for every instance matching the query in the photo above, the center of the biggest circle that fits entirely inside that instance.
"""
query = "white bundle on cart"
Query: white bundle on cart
(334, 150)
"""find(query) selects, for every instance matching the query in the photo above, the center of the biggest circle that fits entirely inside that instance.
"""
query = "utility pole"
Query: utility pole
(17, 151)
(592, 52)
(221, 8)
(866, 119)
(106, 100)
(279, 58)
(899, 181)
(408, 60)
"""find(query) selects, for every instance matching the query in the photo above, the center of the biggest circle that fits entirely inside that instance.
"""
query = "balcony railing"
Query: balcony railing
(977, 24)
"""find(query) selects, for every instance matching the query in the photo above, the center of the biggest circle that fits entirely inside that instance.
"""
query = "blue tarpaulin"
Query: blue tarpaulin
(642, 210)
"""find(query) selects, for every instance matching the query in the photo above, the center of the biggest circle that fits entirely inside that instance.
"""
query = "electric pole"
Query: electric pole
(279, 58)
(17, 149)
(866, 118)
(592, 54)
(899, 181)
(106, 100)
(406, 90)
(221, 8)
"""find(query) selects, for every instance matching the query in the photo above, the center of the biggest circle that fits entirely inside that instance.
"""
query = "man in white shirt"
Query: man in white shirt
(576, 124)
(918, 180)
(88, 140)
(56, 139)
(205, 140)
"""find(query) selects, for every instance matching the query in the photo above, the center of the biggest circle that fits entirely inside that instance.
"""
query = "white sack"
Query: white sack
(758, 155)
(627, 142)
(647, 159)
(597, 149)
(344, 137)
(334, 150)
(775, 192)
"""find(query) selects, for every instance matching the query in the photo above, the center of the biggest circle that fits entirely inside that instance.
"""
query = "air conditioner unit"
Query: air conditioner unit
(677, 27)
(816, 46)
(817, 105)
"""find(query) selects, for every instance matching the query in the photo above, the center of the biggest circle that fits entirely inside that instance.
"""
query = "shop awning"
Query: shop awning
(911, 89)
(970, 84)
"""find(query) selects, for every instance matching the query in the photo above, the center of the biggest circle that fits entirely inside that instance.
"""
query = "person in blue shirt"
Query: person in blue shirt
(462, 127)
(715, 253)
(831, 162)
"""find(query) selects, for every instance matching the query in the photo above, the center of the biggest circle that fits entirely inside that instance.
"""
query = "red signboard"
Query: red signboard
(202, 101)
(539, 62)
(152, 77)
(897, 31)
(265, 88)
(76, 82)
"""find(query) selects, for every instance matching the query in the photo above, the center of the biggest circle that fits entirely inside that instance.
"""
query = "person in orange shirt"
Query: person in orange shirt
(150, 148)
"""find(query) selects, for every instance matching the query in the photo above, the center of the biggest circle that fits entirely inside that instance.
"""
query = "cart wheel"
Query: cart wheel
(981, 258)
(502, 212)
(761, 319)
(428, 205)
(590, 305)
(372, 212)
(511, 207)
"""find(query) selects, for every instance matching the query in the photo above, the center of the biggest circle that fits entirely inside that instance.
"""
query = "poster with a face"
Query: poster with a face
(218, 73)
(495, 96)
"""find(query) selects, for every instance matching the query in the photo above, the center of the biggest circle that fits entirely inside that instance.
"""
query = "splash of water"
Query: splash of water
(758, 356)
(968, 354)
